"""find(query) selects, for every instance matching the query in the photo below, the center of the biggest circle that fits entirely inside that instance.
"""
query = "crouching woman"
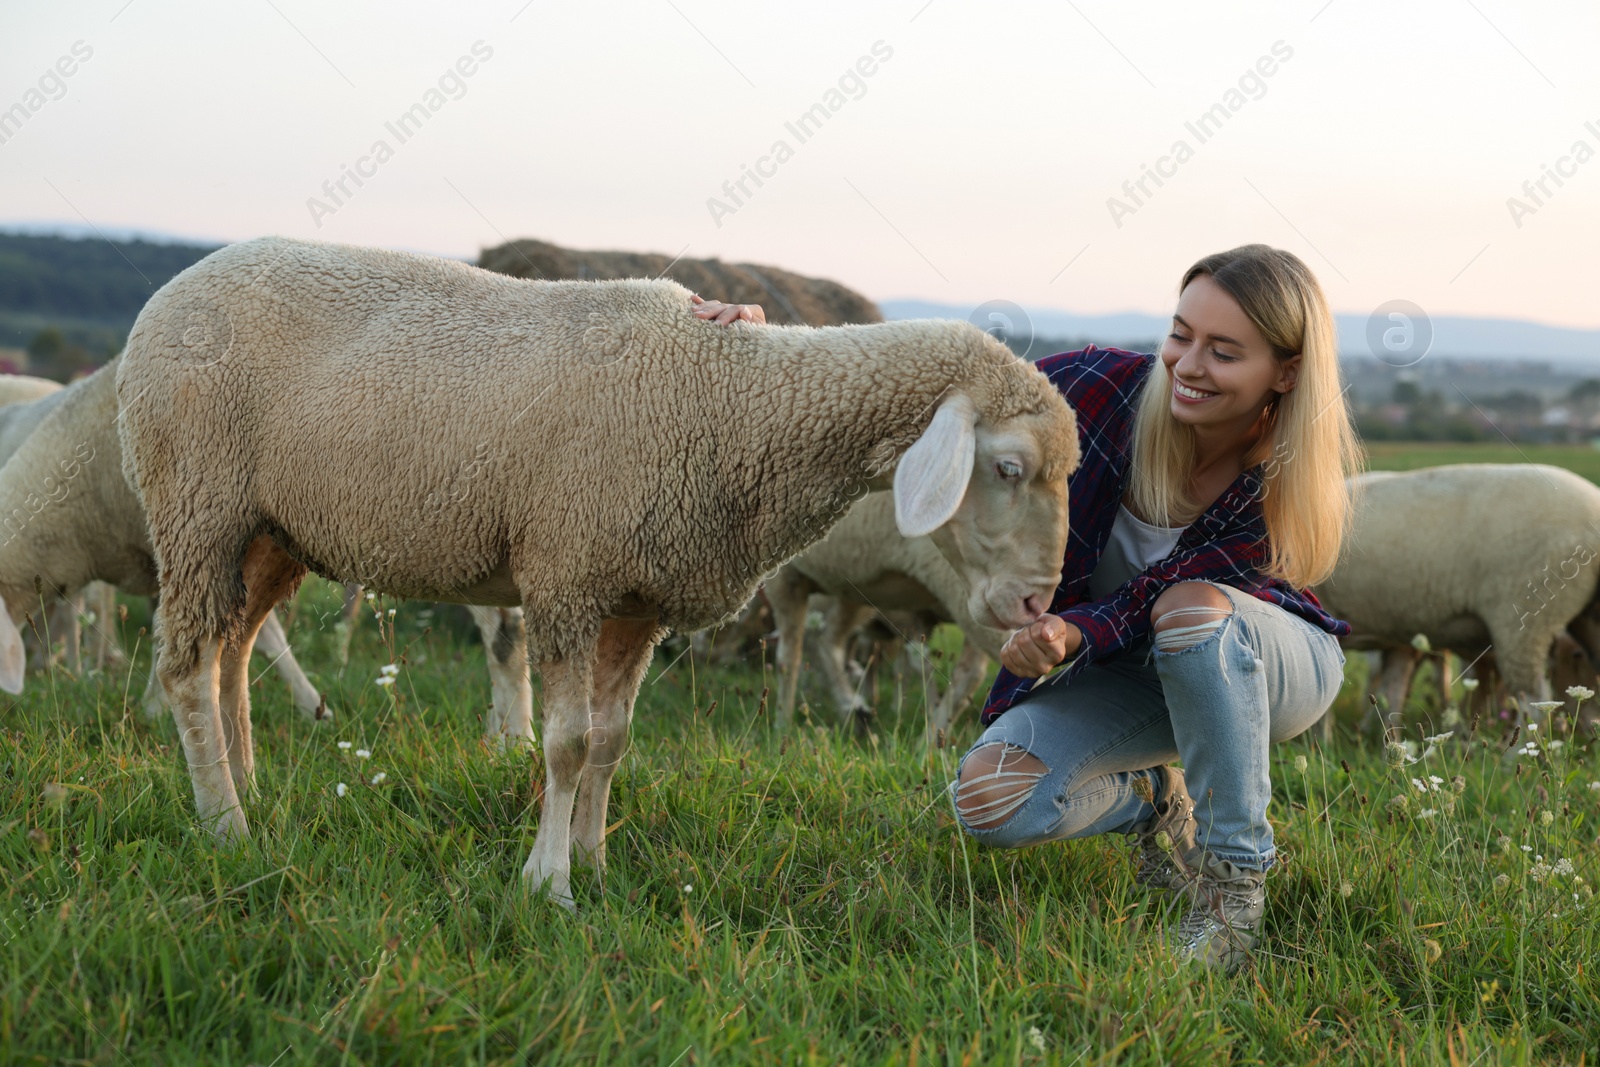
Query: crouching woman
(1212, 494)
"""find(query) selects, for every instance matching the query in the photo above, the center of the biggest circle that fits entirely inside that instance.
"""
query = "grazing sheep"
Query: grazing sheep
(21, 389)
(70, 520)
(1471, 556)
(594, 454)
(868, 567)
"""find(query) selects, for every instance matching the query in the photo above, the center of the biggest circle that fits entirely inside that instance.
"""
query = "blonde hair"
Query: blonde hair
(1308, 446)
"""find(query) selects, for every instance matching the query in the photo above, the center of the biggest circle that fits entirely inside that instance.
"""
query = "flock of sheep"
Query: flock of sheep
(602, 467)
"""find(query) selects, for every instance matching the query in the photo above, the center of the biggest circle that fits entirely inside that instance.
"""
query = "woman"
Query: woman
(1211, 496)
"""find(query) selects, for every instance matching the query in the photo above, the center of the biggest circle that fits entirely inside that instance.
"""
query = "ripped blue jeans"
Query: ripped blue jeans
(1262, 675)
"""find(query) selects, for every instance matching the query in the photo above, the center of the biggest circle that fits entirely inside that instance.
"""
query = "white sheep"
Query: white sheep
(72, 529)
(21, 389)
(96, 530)
(868, 567)
(589, 451)
(1470, 556)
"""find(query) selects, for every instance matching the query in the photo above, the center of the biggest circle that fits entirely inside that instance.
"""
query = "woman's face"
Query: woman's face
(1222, 369)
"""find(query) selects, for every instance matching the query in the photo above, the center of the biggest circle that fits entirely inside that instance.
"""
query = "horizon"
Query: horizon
(91, 231)
(1068, 156)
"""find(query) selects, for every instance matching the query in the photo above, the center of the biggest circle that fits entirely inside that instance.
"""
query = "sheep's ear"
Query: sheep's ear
(932, 476)
(13, 660)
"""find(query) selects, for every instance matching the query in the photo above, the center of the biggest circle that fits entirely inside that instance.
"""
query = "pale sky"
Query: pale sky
(974, 162)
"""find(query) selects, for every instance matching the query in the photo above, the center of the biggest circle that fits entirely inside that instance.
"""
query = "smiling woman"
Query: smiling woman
(1211, 495)
(1183, 607)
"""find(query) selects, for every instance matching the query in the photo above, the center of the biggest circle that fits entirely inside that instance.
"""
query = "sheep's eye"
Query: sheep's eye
(1009, 469)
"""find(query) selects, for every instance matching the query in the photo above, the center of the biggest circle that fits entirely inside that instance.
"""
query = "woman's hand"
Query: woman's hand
(1046, 641)
(722, 314)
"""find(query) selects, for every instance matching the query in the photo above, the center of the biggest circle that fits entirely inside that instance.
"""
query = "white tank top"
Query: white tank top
(1134, 545)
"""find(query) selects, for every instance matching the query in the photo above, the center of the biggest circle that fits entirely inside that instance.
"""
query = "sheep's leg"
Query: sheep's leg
(273, 643)
(969, 670)
(505, 645)
(622, 656)
(270, 575)
(843, 619)
(568, 692)
(347, 620)
(787, 592)
(63, 625)
(1522, 654)
(1447, 678)
(154, 701)
(195, 700)
(1392, 686)
(103, 648)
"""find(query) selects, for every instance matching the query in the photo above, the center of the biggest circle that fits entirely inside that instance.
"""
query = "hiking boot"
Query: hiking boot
(1163, 842)
(1226, 903)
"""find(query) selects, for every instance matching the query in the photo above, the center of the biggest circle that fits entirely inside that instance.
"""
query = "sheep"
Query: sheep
(1470, 556)
(86, 526)
(24, 403)
(594, 454)
(867, 566)
(97, 530)
(21, 389)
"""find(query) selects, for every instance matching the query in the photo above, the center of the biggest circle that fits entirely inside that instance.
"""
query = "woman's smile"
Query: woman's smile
(1188, 394)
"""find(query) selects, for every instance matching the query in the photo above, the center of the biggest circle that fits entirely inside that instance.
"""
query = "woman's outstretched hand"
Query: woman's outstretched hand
(722, 314)
(1033, 650)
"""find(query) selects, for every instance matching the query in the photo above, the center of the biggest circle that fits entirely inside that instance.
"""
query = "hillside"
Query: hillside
(88, 289)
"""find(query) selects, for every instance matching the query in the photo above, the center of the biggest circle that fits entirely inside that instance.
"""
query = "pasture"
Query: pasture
(799, 899)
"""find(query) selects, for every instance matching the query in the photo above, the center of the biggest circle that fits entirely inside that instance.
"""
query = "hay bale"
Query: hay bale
(786, 298)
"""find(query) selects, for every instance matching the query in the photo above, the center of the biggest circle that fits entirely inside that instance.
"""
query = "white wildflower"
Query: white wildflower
(372, 596)
(1527, 848)
(1580, 692)
(1554, 744)
(387, 679)
(1436, 781)
(1469, 684)
(1546, 706)
(1546, 817)
(1533, 727)
(1427, 813)
(1420, 643)
(391, 613)
(377, 779)
(344, 744)
(1540, 872)
(688, 887)
(1438, 738)
(1300, 764)
(1594, 787)
(363, 753)
(1036, 1038)
(1564, 868)
(1421, 787)
(390, 669)
(340, 789)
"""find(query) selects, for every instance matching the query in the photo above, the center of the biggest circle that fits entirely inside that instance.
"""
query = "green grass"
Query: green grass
(806, 900)
(1409, 455)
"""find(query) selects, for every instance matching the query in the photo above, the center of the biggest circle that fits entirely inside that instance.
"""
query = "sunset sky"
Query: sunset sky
(968, 151)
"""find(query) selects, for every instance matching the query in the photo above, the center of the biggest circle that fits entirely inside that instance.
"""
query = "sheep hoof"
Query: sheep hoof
(556, 883)
(230, 829)
(321, 713)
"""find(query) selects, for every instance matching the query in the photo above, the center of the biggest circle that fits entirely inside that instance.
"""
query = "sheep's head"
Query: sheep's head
(992, 495)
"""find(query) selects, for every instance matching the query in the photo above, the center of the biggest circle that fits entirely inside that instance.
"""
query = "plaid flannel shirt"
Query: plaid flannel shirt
(1226, 544)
